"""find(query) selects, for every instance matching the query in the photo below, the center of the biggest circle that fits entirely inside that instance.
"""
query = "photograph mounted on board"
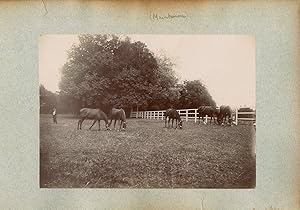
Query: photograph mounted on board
(147, 111)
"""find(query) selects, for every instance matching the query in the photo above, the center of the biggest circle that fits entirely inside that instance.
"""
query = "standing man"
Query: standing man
(54, 115)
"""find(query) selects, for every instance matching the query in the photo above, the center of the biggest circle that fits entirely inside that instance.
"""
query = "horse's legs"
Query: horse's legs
(120, 123)
(166, 122)
(81, 122)
(219, 119)
(172, 122)
(169, 122)
(212, 117)
(115, 124)
(93, 124)
(99, 124)
(78, 124)
(110, 122)
(176, 124)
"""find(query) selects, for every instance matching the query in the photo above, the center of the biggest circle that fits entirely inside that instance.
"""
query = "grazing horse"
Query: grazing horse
(225, 111)
(92, 114)
(209, 111)
(118, 114)
(173, 114)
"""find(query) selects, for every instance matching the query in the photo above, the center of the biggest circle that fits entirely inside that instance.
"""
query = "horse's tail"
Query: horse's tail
(201, 109)
(123, 115)
(105, 118)
(165, 114)
(81, 112)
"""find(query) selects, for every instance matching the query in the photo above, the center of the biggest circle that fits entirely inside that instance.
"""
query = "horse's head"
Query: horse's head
(230, 120)
(180, 124)
(219, 120)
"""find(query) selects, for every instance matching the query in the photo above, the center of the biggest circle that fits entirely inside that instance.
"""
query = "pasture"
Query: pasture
(146, 155)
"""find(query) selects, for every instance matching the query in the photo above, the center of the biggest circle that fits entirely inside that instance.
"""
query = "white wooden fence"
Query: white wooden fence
(188, 115)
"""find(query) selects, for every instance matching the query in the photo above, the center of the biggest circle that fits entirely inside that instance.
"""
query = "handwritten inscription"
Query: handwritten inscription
(155, 16)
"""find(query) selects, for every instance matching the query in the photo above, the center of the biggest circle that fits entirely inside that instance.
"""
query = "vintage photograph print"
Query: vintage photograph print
(147, 111)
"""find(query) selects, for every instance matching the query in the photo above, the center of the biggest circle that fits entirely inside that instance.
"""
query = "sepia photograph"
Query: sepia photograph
(147, 111)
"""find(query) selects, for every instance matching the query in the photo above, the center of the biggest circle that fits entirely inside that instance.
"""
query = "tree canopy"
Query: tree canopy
(107, 70)
(194, 94)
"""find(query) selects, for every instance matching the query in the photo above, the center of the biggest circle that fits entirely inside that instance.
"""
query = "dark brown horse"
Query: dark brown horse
(173, 114)
(118, 114)
(225, 111)
(92, 114)
(210, 111)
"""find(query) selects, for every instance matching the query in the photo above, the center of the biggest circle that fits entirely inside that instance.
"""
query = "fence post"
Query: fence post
(195, 115)
(205, 119)
(236, 116)
(186, 115)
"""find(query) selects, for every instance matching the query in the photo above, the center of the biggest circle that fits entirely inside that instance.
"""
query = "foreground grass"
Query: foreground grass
(146, 155)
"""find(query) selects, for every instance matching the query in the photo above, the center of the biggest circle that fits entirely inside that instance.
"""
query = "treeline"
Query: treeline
(64, 104)
(103, 71)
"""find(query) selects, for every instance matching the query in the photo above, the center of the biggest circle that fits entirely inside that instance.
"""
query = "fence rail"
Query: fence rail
(190, 115)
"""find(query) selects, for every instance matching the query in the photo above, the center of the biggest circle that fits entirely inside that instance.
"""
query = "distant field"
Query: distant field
(146, 155)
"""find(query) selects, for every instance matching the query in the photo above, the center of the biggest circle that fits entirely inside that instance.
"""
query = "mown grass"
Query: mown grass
(146, 155)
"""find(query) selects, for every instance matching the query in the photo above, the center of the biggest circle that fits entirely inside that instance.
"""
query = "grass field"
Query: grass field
(146, 155)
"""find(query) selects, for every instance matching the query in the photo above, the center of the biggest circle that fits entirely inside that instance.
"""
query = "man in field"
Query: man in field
(54, 113)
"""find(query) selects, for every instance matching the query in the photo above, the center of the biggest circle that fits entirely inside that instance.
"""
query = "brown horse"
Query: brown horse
(225, 111)
(118, 114)
(173, 114)
(92, 114)
(209, 111)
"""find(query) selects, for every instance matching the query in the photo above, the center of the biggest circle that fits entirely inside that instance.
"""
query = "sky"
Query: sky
(224, 63)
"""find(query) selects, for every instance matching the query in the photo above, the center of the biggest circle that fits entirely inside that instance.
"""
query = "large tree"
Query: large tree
(169, 93)
(109, 70)
(194, 94)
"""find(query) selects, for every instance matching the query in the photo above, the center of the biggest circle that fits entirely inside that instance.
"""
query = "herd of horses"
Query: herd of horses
(223, 114)
(97, 115)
